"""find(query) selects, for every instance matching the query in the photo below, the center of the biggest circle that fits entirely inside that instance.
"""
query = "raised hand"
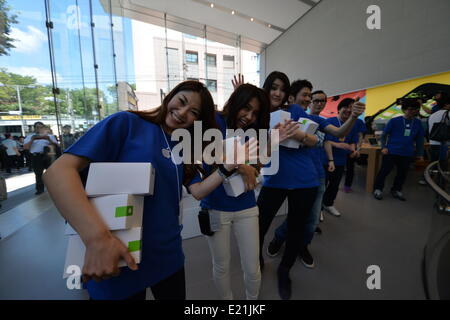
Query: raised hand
(358, 108)
(237, 81)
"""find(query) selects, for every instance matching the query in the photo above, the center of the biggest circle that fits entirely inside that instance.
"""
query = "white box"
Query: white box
(279, 117)
(307, 125)
(119, 211)
(229, 144)
(132, 238)
(107, 178)
(234, 186)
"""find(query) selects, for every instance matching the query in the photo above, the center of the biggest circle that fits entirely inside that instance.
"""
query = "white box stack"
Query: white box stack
(307, 125)
(117, 191)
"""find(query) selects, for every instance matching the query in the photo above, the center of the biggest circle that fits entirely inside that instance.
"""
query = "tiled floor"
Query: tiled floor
(389, 233)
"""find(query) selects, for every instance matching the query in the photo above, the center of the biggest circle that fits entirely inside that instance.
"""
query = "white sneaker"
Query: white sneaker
(332, 210)
(321, 216)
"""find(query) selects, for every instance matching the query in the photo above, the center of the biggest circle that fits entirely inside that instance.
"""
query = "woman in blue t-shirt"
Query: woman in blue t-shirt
(247, 108)
(136, 137)
(296, 179)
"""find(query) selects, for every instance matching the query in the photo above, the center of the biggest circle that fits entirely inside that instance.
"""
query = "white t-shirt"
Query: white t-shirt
(434, 118)
(39, 144)
(10, 144)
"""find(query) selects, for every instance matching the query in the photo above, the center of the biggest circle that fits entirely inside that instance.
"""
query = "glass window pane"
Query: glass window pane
(25, 75)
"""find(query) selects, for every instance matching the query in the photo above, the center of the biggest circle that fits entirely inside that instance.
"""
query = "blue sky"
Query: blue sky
(31, 55)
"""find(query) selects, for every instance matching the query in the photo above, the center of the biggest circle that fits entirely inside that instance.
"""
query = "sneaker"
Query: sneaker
(321, 216)
(318, 230)
(284, 284)
(274, 247)
(332, 210)
(347, 189)
(378, 194)
(422, 182)
(398, 195)
(306, 257)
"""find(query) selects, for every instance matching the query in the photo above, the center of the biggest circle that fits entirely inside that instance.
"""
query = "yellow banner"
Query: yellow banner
(19, 117)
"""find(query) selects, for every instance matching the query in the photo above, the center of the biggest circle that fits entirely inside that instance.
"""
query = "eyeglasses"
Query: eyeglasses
(320, 101)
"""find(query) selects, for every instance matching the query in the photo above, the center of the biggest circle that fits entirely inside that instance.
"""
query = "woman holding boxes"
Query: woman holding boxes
(136, 137)
(297, 178)
(247, 108)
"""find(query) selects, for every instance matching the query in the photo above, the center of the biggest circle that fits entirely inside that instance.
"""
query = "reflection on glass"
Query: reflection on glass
(25, 77)
(105, 67)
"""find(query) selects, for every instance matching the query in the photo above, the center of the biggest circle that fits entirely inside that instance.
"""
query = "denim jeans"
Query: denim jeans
(311, 223)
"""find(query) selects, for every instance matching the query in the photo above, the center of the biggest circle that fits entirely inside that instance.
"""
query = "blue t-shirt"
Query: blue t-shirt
(218, 199)
(340, 155)
(125, 137)
(296, 168)
(400, 141)
(361, 126)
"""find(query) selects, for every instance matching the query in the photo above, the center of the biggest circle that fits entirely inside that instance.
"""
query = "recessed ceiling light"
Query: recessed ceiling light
(212, 5)
(232, 12)
(270, 26)
(252, 19)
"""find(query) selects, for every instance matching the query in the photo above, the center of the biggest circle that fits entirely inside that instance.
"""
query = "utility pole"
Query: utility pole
(20, 109)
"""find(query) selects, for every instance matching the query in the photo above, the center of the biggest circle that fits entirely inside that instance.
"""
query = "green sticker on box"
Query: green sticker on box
(134, 245)
(303, 121)
(125, 211)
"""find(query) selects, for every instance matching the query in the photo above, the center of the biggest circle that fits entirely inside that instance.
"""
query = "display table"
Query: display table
(373, 163)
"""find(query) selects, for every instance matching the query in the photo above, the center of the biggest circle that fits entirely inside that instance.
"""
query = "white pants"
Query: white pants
(246, 230)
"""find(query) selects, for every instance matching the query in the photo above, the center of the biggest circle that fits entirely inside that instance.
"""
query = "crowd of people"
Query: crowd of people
(35, 152)
(308, 177)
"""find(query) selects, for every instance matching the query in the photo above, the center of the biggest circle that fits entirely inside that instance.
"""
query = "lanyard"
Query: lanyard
(342, 139)
(174, 163)
(412, 123)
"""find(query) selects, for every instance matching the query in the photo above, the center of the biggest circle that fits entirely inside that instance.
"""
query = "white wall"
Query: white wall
(332, 47)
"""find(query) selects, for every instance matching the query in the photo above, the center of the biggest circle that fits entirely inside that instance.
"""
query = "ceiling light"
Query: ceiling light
(270, 26)
(252, 19)
(232, 12)
(212, 5)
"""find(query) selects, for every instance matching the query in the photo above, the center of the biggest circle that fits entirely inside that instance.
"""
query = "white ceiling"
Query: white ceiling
(280, 14)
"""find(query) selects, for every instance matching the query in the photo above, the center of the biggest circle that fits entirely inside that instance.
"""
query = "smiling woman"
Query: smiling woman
(134, 137)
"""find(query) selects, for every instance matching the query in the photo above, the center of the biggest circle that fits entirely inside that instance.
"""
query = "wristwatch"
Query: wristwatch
(224, 172)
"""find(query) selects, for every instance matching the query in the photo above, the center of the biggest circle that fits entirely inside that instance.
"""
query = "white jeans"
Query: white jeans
(246, 230)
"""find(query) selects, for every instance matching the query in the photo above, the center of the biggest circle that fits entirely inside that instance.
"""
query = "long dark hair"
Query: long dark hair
(284, 78)
(207, 116)
(240, 98)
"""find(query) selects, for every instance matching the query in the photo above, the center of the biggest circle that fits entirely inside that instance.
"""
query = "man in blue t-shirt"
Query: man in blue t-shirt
(300, 94)
(351, 158)
(397, 147)
(342, 148)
